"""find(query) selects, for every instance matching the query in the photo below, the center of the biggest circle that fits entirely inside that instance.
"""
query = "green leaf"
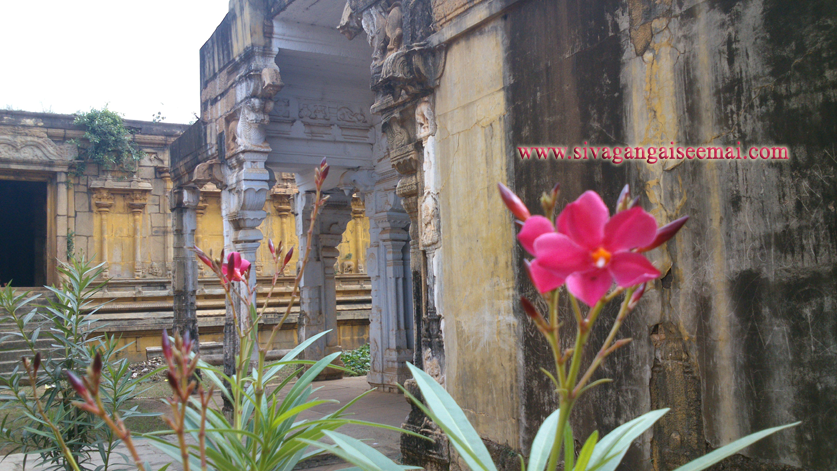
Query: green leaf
(543, 442)
(608, 453)
(587, 451)
(728, 450)
(448, 416)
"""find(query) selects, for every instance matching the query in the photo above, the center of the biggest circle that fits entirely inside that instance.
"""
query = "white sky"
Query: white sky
(137, 57)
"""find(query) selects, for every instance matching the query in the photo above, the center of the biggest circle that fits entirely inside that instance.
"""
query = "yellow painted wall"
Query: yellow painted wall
(481, 332)
(279, 227)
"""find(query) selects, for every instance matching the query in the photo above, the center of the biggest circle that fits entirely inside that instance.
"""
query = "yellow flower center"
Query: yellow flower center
(601, 257)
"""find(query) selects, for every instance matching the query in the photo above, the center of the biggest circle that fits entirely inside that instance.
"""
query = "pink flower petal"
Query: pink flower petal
(534, 227)
(543, 279)
(244, 266)
(589, 286)
(584, 220)
(629, 229)
(631, 269)
(556, 252)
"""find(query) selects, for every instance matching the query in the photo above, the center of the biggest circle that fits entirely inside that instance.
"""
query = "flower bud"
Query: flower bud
(202, 256)
(76, 383)
(175, 385)
(166, 344)
(271, 247)
(323, 162)
(637, 296)
(624, 198)
(36, 363)
(665, 233)
(633, 202)
(187, 343)
(555, 191)
(533, 314)
(97, 364)
(288, 256)
(513, 202)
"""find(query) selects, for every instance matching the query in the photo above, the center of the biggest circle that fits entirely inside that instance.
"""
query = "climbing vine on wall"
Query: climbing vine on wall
(106, 142)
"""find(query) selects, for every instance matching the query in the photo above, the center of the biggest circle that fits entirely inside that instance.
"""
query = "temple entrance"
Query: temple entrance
(23, 214)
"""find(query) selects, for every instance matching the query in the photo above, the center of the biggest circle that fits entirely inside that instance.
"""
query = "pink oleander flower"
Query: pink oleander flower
(589, 250)
(235, 268)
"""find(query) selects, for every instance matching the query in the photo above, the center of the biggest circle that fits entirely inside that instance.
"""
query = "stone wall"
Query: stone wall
(125, 221)
(739, 334)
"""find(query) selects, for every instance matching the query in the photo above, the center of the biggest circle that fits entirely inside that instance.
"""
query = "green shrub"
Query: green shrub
(357, 360)
(67, 322)
(106, 142)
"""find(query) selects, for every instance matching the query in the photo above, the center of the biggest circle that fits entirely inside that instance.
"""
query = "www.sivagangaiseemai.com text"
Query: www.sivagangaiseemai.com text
(652, 154)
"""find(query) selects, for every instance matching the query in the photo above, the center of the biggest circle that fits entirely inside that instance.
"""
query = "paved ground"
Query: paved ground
(390, 409)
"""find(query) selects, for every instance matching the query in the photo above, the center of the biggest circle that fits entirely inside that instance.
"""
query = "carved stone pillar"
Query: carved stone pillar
(103, 201)
(136, 203)
(395, 296)
(165, 174)
(282, 205)
(247, 182)
(359, 258)
(318, 290)
(183, 203)
(200, 210)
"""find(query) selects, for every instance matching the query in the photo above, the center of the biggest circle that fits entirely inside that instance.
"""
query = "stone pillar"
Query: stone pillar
(282, 205)
(357, 242)
(183, 204)
(136, 203)
(247, 182)
(61, 228)
(318, 293)
(103, 201)
(165, 174)
(394, 296)
(200, 210)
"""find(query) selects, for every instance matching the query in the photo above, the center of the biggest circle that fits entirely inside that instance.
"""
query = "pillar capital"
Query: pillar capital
(137, 201)
(102, 199)
(184, 197)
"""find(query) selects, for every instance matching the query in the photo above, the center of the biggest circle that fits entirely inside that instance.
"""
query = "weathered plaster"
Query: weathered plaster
(479, 322)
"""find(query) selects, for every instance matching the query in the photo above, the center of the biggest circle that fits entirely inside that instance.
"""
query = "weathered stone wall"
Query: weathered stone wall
(739, 334)
(480, 327)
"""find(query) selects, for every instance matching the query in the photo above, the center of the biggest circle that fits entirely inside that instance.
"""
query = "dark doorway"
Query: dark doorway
(23, 235)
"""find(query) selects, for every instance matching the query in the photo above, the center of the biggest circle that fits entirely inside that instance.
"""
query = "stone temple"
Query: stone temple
(420, 107)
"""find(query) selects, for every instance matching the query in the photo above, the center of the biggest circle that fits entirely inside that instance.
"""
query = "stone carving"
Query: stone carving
(425, 120)
(397, 135)
(208, 173)
(350, 22)
(29, 148)
(347, 115)
(156, 270)
(374, 24)
(102, 199)
(250, 128)
(247, 131)
(313, 111)
(394, 31)
(430, 222)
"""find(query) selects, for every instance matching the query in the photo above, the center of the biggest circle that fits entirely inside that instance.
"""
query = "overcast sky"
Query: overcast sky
(137, 57)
